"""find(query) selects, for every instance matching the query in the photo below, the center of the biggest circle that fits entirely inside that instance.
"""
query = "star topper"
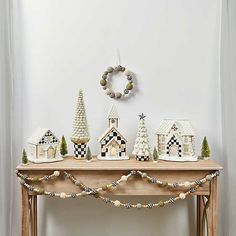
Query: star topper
(142, 116)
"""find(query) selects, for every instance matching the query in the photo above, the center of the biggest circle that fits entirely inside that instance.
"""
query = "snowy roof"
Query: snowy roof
(37, 135)
(184, 126)
(113, 113)
(108, 131)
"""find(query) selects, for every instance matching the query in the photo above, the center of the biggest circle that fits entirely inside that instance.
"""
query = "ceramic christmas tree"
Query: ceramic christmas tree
(205, 149)
(141, 147)
(63, 146)
(80, 133)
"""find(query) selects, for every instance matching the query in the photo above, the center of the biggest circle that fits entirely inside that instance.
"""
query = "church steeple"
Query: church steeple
(113, 117)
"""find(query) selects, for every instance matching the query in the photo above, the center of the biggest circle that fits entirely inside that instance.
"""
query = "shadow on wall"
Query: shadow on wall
(93, 217)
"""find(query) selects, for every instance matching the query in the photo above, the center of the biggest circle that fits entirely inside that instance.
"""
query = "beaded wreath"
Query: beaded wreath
(108, 73)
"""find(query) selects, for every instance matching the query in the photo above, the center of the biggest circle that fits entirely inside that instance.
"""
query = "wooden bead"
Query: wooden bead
(182, 196)
(78, 182)
(161, 204)
(127, 72)
(112, 95)
(208, 177)
(124, 178)
(129, 86)
(108, 91)
(187, 184)
(103, 82)
(118, 95)
(144, 175)
(110, 69)
(139, 206)
(104, 187)
(104, 76)
(56, 173)
(63, 195)
(83, 193)
(117, 203)
(164, 184)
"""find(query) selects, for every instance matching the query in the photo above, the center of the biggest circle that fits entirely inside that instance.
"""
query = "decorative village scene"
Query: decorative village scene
(174, 141)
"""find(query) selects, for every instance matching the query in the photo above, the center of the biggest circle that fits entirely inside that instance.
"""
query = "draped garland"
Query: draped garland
(190, 187)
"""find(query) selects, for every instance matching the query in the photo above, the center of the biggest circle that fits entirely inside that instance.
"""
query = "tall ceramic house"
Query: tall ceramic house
(43, 146)
(175, 141)
(80, 133)
(113, 143)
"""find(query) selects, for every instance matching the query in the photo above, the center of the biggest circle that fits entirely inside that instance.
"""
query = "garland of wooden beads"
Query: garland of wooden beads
(109, 91)
(95, 191)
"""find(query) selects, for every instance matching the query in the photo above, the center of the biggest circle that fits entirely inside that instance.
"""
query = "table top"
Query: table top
(70, 163)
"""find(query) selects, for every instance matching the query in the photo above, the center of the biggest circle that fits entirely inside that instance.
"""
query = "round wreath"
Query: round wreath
(104, 81)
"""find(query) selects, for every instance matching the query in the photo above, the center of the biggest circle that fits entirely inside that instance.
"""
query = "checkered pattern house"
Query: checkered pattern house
(43, 146)
(113, 143)
(175, 138)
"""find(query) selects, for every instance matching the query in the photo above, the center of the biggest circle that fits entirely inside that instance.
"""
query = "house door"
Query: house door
(50, 152)
(174, 150)
(114, 148)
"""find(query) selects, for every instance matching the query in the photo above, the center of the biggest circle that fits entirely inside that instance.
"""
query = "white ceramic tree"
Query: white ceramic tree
(80, 134)
(141, 147)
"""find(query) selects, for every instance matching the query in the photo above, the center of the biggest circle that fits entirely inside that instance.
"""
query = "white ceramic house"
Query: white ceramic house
(175, 141)
(43, 146)
(113, 143)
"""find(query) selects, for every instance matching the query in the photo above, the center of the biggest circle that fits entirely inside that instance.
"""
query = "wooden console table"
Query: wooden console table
(97, 173)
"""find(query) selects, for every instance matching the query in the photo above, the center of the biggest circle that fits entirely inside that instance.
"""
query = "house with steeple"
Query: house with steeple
(113, 143)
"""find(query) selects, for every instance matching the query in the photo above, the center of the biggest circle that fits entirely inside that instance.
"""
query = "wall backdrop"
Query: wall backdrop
(171, 46)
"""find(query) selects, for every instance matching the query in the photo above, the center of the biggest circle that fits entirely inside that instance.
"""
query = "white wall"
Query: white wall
(173, 48)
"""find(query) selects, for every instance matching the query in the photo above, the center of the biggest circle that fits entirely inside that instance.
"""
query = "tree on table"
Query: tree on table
(206, 152)
(88, 155)
(155, 156)
(141, 147)
(63, 146)
(24, 157)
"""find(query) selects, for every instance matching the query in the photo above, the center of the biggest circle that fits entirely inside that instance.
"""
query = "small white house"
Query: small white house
(43, 146)
(175, 141)
(113, 143)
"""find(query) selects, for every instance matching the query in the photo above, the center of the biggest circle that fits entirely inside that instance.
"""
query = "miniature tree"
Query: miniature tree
(63, 146)
(141, 147)
(205, 149)
(24, 157)
(80, 134)
(155, 155)
(88, 154)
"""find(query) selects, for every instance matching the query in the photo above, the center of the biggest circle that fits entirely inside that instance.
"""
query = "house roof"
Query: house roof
(108, 131)
(113, 113)
(185, 127)
(37, 135)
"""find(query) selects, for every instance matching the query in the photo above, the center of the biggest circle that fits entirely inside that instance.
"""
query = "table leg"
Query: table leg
(25, 218)
(200, 216)
(212, 210)
(33, 218)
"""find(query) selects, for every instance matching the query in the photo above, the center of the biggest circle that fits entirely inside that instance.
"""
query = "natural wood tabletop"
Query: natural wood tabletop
(70, 163)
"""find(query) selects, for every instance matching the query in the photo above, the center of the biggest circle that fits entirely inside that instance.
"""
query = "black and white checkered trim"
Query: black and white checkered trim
(142, 158)
(174, 141)
(80, 150)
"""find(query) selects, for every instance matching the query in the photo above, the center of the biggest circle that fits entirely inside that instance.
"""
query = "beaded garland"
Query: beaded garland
(95, 191)
(109, 91)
